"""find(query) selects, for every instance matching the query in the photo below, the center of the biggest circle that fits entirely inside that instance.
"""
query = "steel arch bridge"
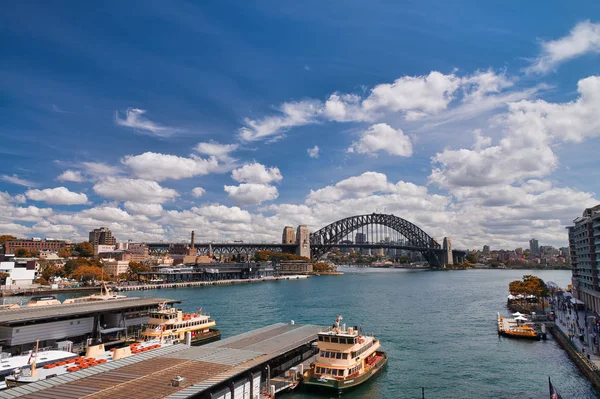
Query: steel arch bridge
(416, 239)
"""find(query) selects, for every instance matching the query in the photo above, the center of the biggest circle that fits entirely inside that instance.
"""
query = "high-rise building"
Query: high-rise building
(360, 238)
(486, 249)
(519, 251)
(534, 246)
(101, 236)
(288, 236)
(584, 245)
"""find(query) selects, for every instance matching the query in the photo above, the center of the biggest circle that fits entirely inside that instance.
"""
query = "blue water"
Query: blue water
(439, 329)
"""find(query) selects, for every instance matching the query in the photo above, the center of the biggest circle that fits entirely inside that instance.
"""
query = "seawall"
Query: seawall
(584, 365)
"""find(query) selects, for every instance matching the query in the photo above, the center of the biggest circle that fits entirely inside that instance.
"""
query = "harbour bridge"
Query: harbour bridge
(372, 232)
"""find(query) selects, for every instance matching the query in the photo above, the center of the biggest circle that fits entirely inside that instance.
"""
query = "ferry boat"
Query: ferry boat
(512, 328)
(172, 323)
(104, 295)
(8, 364)
(345, 359)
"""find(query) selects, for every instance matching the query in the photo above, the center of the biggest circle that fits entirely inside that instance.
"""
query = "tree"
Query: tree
(404, 259)
(22, 253)
(6, 237)
(135, 268)
(87, 273)
(65, 252)
(49, 270)
(85, 249)
(472, 258)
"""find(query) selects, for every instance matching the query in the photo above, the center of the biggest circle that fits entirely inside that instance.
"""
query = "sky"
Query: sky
(473, 120)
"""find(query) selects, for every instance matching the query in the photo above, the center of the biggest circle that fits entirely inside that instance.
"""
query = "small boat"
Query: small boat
(172, 323)
(47, 300)
(346, 358)
(104, 295)
(517, 328)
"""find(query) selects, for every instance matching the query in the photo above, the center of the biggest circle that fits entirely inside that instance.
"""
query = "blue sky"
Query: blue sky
(473, 120)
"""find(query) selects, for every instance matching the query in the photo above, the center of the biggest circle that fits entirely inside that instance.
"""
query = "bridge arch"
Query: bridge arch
(324, 239)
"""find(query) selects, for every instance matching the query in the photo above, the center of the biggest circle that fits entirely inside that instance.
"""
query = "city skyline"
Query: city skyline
(235, 121)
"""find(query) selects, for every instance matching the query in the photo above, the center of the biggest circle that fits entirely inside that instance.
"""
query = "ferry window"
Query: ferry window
(322, 354)
(325, 339)
(354, 341)
(334, 340)
(344, 356)
(334, 372)
(338, 355)
(342, 340)
(320, 338)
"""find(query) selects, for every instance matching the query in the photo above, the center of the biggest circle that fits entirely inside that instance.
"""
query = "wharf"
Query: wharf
(234, 368)
(185, 284)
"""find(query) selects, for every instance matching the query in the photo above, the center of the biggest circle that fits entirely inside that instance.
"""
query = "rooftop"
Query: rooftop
(148, 375)
(24, 314)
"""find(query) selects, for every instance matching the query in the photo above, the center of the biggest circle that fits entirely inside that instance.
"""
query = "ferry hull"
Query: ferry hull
(536, 337)
(341, 385)
(211, 336)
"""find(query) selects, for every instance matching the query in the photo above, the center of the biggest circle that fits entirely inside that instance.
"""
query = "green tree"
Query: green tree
(22, 253)
(135, 268)
(85, 249)
(49, 270)
(472, 258)
(65, 252)
(404, 259)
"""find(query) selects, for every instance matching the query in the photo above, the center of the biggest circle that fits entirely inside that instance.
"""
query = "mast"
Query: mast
(33, 365)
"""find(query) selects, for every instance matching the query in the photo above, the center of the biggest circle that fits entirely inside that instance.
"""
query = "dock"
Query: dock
(239, 367)
(187, 284)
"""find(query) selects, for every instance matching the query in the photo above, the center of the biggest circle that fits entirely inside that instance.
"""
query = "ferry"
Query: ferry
(345, 359)
(104, 295)
(513, 328)
(172, 323)
(40, 367)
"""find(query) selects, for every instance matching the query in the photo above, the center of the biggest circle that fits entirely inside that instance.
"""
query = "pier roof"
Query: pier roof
(38, 313)
(149, 374)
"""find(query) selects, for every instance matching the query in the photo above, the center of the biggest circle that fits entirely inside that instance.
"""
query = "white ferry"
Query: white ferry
(346, 358)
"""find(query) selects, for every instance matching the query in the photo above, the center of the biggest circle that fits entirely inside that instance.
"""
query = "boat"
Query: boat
(171, 323)
(104, 295)
(47, 300)
(346, 358)
(517, 328)
(8, 364)
(95, 355)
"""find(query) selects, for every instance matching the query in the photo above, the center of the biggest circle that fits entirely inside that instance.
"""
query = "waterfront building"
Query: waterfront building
(100, 249)
(34, 245)
(116, 267)
(534, 246)
(288, 236)
(486, 249)
(101, 236)
(584, 245)
(295, 267)
(519, 251)
(210, 272)
(20, 274)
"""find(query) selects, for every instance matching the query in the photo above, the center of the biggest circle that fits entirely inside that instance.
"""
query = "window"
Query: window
(334, 372)
(344, 356)
(338, 355)
(342, 340)
(325, 339)
(320, 338)
(334, 340)
(322, 354)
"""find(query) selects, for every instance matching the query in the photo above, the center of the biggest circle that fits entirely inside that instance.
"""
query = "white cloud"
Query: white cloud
(99, 169)
(292, 114)
(256, 173)
(383, 137)
(159, 167)
(219, 151)
(150, 210)
(14, 179)
(57, 196)
(198, 192)
(134, 119)
(223, 213)
(251, 193)
(313, 152)
(134, 190)
(71, 175)
(584, 38)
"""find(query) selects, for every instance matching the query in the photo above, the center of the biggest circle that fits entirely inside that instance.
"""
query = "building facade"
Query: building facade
(34, 244)
(534, 246)
(584, 247)
(288, 236)
(101, 236)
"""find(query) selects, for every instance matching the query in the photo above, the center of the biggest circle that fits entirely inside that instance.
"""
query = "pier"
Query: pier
(239, 367)
(187, 284)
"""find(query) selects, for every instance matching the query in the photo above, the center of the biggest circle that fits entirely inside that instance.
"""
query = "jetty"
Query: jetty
(239, 367)
(187, 284)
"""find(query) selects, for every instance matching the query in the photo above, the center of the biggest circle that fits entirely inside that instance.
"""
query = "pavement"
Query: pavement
(570, 321)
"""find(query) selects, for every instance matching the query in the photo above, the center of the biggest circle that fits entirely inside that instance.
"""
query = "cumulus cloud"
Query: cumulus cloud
(134, 190)
(313, 152)
(57, 196)
(291, 114)
(224, 213)
(71, 175)
(383, 137)
(99, 169)
(159, 167)
(14, 179)
(219, 151)
(584, 38)
(134, 119)
(150, 210)
(251, 193)
(256, 173)
(198, 192)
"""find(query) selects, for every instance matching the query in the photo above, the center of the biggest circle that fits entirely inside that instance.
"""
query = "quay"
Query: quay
(30, 291)
(240, 367)
(184, 284)
(20, 328)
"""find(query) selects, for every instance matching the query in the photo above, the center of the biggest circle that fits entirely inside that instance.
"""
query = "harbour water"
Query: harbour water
(439, 329)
